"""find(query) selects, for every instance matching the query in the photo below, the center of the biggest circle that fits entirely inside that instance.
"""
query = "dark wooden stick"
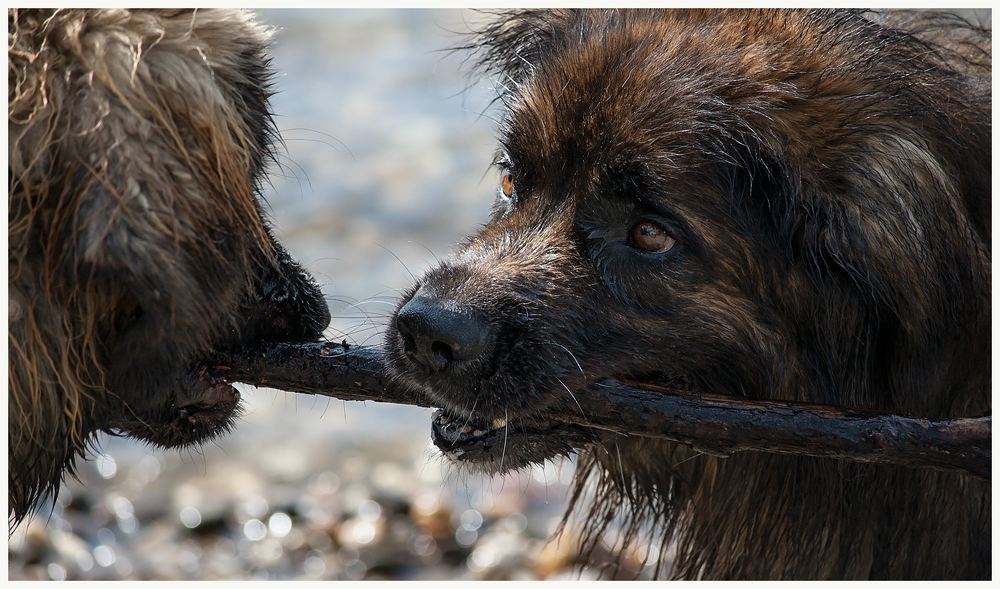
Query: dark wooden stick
(351, 373)
(715, 424)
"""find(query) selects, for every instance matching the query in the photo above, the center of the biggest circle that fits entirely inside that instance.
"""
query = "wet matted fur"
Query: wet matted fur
(773, 204)
(137, 245)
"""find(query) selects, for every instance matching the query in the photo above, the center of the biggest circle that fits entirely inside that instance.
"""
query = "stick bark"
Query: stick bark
(715, 424)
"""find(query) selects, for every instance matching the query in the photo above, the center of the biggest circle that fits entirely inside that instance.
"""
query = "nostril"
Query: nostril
(409, 344)
(442, 352)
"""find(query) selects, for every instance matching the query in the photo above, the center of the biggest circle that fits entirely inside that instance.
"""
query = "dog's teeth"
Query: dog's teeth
(465, 429)
(478, 433)
(499, 423)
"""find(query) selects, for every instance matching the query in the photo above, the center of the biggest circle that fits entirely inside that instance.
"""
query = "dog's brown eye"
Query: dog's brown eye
(507, 184)
(650, 237)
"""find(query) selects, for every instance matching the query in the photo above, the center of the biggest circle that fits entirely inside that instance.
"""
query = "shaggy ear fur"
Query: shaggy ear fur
(868, 171)
(879, 190)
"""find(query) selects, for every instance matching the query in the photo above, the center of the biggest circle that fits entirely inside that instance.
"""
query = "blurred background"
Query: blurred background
(385, 166)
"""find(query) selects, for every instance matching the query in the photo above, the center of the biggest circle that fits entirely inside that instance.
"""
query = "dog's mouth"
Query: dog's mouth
(206, 409)
(499, 445)
(211, 399)
(460, 436)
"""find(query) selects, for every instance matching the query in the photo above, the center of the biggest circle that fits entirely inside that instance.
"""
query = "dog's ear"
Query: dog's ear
(886, 217)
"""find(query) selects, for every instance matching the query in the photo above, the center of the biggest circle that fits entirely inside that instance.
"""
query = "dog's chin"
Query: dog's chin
(206, 407)
(499, 446)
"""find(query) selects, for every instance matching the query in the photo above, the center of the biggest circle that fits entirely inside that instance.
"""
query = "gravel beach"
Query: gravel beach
(385, 166)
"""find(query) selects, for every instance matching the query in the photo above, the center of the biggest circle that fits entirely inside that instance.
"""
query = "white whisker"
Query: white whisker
(506, 430)
(572, 396)
(573, 356)
(621, 466)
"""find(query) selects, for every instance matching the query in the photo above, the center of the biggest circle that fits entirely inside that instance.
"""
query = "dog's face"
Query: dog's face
(615, 249)
(679, 202)
(138, 246)
(200, 271)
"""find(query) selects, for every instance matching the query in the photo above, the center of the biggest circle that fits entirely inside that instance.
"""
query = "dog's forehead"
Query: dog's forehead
(582, 109)
(664, 88)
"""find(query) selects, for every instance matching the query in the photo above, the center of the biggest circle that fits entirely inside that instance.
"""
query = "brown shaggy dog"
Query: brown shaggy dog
(777, 205)
(137, 246)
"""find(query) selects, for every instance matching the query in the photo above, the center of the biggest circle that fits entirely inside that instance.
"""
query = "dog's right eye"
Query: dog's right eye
(650, 237)
(507, 184)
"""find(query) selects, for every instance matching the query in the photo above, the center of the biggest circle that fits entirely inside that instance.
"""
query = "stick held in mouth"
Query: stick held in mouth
(342, 371)
(715, 424)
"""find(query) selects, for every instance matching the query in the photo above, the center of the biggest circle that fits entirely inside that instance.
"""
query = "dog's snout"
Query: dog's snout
(289, 304)
(435, 335)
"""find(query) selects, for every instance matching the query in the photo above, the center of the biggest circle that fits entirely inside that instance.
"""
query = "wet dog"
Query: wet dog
(770, 204)
(137, 245)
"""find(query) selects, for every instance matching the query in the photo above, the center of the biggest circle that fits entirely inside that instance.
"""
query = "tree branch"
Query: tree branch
(715, 424)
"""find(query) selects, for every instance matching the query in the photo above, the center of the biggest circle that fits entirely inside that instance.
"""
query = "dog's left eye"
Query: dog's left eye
(507, 184)
(650, 237)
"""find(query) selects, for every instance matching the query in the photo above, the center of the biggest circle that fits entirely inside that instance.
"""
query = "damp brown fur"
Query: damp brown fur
(137, 245)
(783, 205)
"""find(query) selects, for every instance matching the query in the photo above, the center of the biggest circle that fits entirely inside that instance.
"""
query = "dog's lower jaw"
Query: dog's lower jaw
(504, 446)
(206, 408)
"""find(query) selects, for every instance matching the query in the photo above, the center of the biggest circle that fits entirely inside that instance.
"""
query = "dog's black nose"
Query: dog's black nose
(435, 335)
